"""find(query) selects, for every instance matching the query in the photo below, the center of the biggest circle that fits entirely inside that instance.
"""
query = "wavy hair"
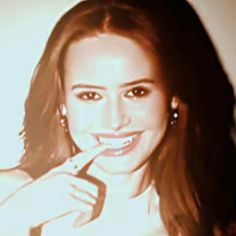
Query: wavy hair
(194, 168)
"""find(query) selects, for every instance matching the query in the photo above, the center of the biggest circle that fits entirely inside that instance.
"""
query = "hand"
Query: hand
(58, 192)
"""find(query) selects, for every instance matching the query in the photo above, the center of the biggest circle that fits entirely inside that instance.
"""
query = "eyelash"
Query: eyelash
(89, 96)
(137, 93)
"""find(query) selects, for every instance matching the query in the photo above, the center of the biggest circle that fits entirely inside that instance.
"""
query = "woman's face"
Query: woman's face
(113, 94)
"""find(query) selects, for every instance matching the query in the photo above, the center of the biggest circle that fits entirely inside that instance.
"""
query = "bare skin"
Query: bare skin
(59, 191)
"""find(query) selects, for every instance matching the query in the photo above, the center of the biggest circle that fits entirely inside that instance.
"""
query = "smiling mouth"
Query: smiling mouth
(117, 143)
(120, 144)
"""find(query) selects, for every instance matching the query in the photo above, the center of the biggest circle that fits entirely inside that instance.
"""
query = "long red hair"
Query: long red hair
(186, 166)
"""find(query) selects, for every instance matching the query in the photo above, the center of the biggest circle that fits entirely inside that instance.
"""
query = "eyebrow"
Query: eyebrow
(131, 83)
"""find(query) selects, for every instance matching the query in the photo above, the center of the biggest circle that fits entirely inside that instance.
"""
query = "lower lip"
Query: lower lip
(122, 151)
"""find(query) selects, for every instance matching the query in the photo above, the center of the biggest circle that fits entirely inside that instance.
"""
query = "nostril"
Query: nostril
(120, 123)
(115, 115)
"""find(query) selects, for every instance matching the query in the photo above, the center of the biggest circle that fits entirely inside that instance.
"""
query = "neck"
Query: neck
(124, 185)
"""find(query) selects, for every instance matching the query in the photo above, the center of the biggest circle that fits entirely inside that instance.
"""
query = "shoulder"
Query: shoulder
(14, 176)
(11, 180)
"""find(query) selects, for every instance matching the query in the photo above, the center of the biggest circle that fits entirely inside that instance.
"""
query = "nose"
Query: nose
(116, 115)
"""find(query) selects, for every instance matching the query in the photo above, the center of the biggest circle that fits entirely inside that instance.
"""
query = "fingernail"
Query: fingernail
(82, 219)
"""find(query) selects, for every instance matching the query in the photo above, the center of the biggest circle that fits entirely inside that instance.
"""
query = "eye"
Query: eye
(89, 96)
(137, 92)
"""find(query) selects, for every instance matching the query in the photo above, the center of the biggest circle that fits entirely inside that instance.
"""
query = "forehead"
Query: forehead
(108, 55)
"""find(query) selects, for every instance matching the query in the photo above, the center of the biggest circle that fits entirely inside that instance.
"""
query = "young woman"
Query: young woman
(127, 128)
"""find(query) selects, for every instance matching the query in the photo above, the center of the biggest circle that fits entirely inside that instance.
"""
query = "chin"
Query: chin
(127, 164)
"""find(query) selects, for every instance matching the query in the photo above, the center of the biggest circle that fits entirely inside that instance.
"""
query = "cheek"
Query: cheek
(159, 116)
(80, 117)
(81, 120)
(153, 114)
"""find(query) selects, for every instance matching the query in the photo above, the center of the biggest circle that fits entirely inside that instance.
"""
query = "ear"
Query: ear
(175, 101)
(62, 109)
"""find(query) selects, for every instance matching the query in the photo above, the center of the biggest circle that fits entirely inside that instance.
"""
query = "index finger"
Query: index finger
(74, 164)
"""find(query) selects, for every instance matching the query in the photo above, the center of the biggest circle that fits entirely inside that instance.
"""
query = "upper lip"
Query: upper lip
(117, 135)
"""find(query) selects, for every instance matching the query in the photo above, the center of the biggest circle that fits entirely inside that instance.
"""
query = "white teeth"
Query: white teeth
(116, 142)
